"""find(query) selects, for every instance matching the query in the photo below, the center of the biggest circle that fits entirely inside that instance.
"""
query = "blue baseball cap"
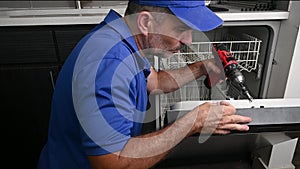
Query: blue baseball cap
(193, 13)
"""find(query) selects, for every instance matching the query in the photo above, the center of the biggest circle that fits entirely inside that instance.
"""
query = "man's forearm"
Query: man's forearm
(147, 150)
(162, 140)
(171, 80)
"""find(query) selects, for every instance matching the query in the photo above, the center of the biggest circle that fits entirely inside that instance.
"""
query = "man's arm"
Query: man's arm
(146, 150)
(165, 81)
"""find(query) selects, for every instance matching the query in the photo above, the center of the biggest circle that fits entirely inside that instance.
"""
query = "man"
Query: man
(101, 94)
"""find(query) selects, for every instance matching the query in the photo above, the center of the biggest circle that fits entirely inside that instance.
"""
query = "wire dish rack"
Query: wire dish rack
(245, 49)
(246, 52)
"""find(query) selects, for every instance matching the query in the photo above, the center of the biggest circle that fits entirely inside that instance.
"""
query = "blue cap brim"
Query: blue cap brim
(198, 18)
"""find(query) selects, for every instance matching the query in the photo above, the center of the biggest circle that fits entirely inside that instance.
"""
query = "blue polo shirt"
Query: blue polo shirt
(100, 97)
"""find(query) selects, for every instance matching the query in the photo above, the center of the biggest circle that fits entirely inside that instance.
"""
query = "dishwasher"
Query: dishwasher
(276, 121)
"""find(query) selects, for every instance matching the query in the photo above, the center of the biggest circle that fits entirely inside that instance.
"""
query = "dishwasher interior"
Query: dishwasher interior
(250, 46)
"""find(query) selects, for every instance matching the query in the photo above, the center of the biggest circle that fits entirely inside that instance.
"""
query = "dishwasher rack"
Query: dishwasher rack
(245, 49)
(246, 52)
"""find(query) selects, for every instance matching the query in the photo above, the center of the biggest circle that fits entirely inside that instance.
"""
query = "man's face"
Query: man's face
(168, 36)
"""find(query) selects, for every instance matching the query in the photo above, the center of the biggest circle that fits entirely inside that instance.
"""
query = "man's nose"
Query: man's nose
(186, 37)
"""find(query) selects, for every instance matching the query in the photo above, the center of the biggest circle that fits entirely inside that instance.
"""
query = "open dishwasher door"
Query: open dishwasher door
(271, 141)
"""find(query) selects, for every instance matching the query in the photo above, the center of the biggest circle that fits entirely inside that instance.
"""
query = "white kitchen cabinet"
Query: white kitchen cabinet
(292, 89)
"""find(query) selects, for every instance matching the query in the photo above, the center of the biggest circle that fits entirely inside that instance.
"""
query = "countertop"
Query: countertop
(31, 17)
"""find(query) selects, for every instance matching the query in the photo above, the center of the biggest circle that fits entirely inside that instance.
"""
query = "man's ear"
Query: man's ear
(145, 22)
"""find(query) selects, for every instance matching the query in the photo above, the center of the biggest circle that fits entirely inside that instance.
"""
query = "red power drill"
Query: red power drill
(231, 70)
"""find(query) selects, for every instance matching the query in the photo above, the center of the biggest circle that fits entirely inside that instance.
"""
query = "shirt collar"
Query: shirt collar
(115, 21)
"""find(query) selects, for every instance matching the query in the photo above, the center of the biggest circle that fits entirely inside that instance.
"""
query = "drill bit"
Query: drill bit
(237, 79)
(246, 92)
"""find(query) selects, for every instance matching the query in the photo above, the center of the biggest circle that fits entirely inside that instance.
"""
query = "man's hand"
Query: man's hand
(214, 72)
(218, 118)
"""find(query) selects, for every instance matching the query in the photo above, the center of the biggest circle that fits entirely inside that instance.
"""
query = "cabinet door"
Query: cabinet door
(26, 94)
(67, 39)
(27, 45)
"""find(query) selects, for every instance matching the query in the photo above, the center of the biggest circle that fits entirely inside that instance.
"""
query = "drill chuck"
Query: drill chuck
(237, 79)
(231, 70)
